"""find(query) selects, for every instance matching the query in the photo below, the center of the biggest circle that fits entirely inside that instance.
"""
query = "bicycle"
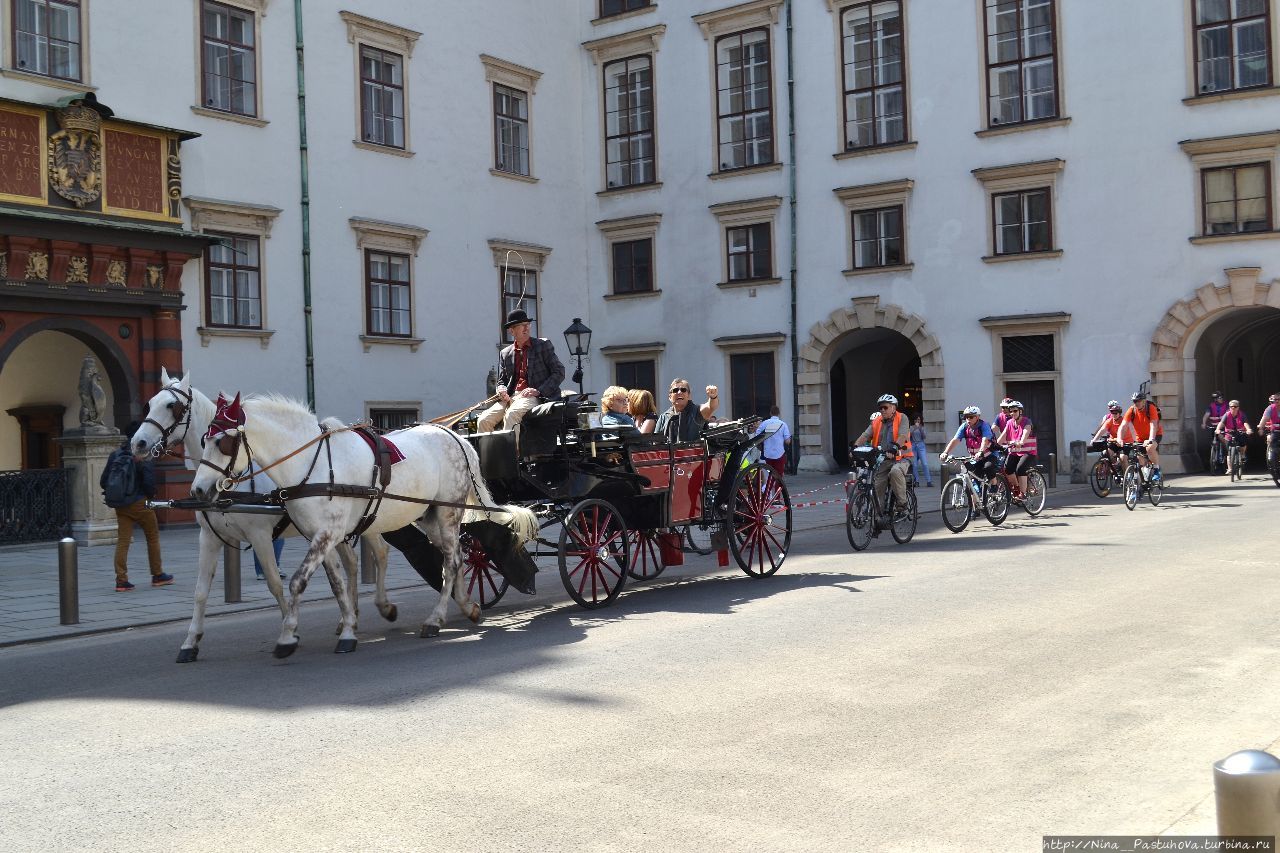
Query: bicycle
(862, 504)
(1235, 439)
(1137, 478)
(1037, 491)
(1217, 453)
(1273, 453)
(964, 496)
(1108, 470)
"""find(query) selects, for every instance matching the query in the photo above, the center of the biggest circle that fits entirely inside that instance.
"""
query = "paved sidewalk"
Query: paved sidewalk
(29, 576)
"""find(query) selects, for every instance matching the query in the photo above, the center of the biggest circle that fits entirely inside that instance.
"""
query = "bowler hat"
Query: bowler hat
(515, 318)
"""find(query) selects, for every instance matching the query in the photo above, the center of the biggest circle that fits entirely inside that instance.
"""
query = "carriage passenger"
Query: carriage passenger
(528, 374)
(684, 421)
(643, 410)
(613, 407)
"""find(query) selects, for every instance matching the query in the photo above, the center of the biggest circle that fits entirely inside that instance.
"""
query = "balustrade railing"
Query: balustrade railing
(35, 505)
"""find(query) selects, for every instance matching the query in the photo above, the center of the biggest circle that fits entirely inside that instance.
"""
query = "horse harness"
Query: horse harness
(181, 418)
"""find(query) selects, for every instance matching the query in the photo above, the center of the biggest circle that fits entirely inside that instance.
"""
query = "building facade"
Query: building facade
(806, 202)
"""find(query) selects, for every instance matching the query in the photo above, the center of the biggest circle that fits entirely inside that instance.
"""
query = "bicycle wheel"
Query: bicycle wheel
(1100, 479)
(1036, 493)
(1132, 485)
(1216, 457)
(1155, 491)
(697, 538)
(858, 521)
(903, 525)
(955, 504)
(995, 501)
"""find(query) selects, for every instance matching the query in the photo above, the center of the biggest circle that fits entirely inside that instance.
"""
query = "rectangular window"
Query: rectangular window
(389, 419)
(233, 286)
(1237, 199)
(877, 237)
(750, 252)
(628, 119)
(46, 37)
(1022, 74)
(641, 374)
(519, 290)
(1022, 222)
(633, 266)
(387, 286)
(744, 100)
(617, 7)
(1231, 44)
(511, 129)
(1027, 353)
(874, 83)
(751, 377)
(381, 97)
(229, 66)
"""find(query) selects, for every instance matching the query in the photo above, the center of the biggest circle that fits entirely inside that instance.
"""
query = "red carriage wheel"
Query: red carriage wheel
(485, 584)
(594, 553)
(759, 520)
(646, 556)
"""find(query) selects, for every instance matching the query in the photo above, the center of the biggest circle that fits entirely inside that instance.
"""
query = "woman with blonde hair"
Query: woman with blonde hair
(613, 406)
(643, 409)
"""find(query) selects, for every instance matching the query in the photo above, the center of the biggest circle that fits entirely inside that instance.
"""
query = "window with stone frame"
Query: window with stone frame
(388, 298)
(228, 61)
(752, 384)
(1231, 43)
(519, 290)
(640, 373)
(877, 237)
(875, 92)
(47, 38)
(1237, 199)
(629, 122)
(744, 100)
(632, 265)
(387, 418)
(609, 8)
(750, 252)
(1021, 61)
(381, 97)
(233, 284)
(511, 129)
(1022, 221)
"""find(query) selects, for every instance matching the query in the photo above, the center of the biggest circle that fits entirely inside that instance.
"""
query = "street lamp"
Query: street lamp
(578, 338)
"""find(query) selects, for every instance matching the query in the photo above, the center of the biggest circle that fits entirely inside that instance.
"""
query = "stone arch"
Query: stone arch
(813, 374)
(1173, 347)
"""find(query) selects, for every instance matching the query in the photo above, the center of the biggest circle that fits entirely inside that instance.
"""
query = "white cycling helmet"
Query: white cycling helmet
(1113, 406)
(887, 398)
(972, 410)
(1006, 403)
(1016, 404)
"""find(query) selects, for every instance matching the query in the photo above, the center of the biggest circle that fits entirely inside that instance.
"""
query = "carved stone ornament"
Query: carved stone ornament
(75, 155)
(93, 400)
(78, 270)
(155, 276)
(116, 274)
(37, 266)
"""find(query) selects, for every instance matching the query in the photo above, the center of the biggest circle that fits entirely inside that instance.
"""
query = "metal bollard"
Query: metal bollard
(231, 573)
(1053, 470)
(68, 582)
(1246, 786)
(368, 572)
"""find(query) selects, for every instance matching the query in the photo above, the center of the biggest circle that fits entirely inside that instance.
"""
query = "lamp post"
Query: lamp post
(578, 338)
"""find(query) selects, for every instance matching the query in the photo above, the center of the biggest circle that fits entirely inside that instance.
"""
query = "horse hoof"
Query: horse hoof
(391, 613)
(474, 615)
(188, 655)
(429, 631)
(283, 651)
(345, 647)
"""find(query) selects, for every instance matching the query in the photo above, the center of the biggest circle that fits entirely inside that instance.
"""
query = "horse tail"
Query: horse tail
(522, 520)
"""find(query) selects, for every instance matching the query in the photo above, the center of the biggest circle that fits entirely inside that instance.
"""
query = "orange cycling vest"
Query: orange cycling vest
(904, 451)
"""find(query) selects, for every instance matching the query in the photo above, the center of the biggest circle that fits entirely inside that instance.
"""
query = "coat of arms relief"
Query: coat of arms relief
(75, 155)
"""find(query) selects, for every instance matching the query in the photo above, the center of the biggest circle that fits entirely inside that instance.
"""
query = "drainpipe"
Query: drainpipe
(306, 208)
(791, 157)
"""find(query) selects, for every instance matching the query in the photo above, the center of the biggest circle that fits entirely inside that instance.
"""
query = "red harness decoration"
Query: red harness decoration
(394, 456)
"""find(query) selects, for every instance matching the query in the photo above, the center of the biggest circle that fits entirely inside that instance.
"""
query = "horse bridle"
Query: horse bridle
(181, 418)
(228, 481)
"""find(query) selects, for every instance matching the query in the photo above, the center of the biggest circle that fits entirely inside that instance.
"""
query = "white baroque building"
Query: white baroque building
(805, 202)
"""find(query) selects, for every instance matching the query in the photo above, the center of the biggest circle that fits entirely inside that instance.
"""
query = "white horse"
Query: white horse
(439, 469)
(180, 415)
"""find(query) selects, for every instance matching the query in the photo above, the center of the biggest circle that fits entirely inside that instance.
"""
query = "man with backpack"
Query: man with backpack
(126, 484)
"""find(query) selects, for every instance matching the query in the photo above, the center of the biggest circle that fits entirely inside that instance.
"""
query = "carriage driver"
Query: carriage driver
(895, 467)
(528, 373)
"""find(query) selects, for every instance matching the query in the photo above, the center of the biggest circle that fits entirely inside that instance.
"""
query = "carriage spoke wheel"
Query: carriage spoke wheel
(485, 584)
(1033, 501)
(1100, 480)
(646, 556)
(594, 553)
(759, 520)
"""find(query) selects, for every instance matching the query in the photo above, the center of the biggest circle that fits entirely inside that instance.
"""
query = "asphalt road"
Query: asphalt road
(1074, 674)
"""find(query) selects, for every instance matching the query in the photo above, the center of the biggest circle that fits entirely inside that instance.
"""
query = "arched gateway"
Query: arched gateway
(828, 342)
(1224, 338)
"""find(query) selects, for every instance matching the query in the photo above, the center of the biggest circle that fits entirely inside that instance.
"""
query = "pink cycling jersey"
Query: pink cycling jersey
(1017, 430)
(1233, 422)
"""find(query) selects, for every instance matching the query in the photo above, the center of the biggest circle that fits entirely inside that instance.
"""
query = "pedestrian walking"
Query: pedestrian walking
(777, 440)
(918, 461)
(126, 484)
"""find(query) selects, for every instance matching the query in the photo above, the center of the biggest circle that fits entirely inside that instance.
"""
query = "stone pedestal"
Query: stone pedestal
(84, 453)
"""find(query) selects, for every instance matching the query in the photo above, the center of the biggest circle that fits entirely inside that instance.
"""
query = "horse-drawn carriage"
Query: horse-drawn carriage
(623, 500)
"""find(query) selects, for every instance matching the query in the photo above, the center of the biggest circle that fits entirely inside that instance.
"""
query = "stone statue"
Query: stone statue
(93, 400)
(491, 382)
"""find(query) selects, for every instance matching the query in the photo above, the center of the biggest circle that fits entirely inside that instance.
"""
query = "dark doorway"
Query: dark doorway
(839, 414)
(1238, 355)
(866, 364)
(1041, 406)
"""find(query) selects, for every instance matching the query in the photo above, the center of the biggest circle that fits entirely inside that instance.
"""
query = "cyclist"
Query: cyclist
(895, 442)
(997, 426)
(1269, 423)
(1217, 408)
(1143, 419)
(979, 441)
(1110, 427)
(1018, 437)
(1233, 428)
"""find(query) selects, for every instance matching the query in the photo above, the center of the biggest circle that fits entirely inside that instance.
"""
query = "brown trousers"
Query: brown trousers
(145, 517)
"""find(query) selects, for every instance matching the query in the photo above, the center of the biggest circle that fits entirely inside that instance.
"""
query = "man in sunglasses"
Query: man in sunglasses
(684, 421)
(890, 431)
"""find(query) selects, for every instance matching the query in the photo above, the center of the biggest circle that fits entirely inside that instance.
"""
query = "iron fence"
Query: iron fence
(35, 505)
